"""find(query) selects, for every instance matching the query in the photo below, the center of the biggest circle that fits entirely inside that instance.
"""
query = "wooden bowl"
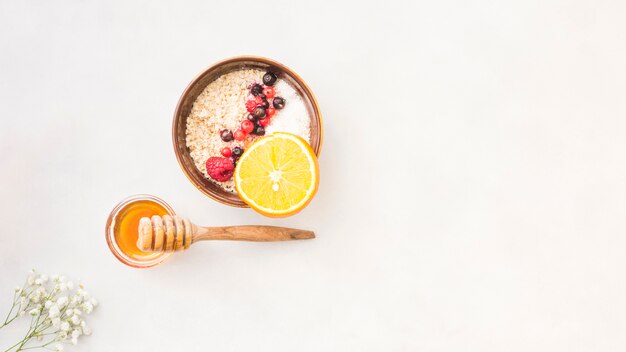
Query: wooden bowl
(196, 87)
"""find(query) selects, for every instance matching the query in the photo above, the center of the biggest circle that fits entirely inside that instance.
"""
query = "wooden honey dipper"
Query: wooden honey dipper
(173, 233)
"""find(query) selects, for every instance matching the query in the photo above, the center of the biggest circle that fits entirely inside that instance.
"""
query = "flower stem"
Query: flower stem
(10, 348)
(6, 320)
(9, 321)
(40, 346)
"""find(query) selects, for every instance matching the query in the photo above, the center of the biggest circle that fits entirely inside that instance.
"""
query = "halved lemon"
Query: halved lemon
(278, 175)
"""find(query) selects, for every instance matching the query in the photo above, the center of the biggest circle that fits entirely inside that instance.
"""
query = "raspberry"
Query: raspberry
(258, 100)
(220, 169)
(269, 92)
(251, 105)
(270, 112)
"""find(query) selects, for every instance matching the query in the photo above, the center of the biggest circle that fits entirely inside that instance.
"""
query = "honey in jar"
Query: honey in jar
(123, 225)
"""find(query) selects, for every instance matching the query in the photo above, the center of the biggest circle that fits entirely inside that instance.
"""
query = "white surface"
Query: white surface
(472, 194)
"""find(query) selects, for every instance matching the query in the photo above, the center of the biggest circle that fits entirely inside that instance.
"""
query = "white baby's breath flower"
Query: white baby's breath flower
(62, 301)
(87, 307)
(35, 297)
(59, 316)
(31, 277)
(56, 322)
(54, 311)
(75, 320)
(58, 348)
(65, 326)
(86, 328)
(77, 332)
(81, 296)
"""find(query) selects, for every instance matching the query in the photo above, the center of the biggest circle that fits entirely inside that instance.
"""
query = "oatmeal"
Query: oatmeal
(232, 112)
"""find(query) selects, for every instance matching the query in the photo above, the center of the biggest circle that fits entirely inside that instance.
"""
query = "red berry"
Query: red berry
(240, 135)
(220, 169)
(269, 92)
(264, 122)
(251, 105)
(226, 152)
(270, 112)
(247, 126)
(258, 100)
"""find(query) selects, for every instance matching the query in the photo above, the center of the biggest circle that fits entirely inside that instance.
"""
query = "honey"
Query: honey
(127, 224)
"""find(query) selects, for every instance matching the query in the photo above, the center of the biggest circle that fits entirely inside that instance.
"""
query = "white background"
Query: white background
(473, 192)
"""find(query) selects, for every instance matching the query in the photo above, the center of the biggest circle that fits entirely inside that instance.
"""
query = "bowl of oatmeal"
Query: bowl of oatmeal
(231, 105)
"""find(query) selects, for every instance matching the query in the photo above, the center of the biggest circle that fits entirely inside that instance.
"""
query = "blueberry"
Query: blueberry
(258, 130)
(256, 89)
(237, 151)
(251, 117)
(265, 103)
(269, 78)
(259, 112)
(226, 135)
(279, 102)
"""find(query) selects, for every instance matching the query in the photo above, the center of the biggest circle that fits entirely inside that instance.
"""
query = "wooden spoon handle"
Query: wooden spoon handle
(249, 233)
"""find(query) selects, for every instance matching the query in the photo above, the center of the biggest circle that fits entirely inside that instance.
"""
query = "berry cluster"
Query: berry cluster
(260, 112)
(259, 107)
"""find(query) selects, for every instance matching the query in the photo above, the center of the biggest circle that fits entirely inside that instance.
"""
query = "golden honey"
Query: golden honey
(127, 224)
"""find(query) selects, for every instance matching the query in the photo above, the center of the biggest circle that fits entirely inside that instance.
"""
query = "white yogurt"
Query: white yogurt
(294, 117)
